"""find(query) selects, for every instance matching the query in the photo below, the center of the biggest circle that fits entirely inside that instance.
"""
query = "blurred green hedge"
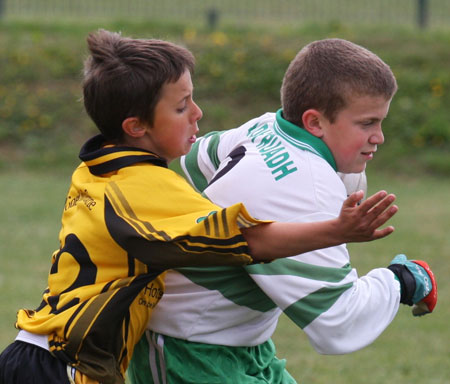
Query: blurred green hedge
(238, 76)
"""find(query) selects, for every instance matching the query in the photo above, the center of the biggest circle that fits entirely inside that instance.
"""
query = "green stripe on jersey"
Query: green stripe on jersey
(302, 139)
(304, 311)
(212, 149)
(243, 290)
(192, 168)
(297, 268)
(191, 160)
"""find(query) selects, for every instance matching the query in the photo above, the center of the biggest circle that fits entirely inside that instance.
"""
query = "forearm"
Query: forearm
(278, 240)
(354, 224)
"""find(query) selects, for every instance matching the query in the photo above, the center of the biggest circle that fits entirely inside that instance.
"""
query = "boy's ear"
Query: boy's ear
(312, 122)
(133, 127)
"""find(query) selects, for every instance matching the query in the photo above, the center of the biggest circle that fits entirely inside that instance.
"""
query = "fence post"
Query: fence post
(422, 13)
(212, 17)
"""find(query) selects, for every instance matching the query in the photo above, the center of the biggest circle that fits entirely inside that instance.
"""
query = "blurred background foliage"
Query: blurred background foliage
(238, 76)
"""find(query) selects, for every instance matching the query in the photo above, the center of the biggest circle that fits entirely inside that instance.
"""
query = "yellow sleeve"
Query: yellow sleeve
(165, 223)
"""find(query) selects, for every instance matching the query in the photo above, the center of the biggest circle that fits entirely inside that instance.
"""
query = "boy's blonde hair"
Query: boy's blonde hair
(123, 78)
(326, 73)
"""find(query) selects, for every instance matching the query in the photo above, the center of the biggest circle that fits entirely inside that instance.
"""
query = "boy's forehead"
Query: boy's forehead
(367, 105)
(179, 88)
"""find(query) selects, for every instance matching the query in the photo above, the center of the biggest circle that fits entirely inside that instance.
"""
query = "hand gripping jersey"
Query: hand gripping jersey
(126, 219)
(279, 171)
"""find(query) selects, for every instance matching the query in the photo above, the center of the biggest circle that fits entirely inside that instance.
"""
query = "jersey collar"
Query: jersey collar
(102, 158)
(302, 139)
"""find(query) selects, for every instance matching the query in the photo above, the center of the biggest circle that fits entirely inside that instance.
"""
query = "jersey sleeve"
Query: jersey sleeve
(339, 312)
(201, 164)
(166, 224)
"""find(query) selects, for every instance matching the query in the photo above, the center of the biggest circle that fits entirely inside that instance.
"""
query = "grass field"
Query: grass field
(39, 89)
(412, 350)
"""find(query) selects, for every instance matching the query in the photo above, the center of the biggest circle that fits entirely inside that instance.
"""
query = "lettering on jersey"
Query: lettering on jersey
(271, 149)
(83, 196)
(151, 295)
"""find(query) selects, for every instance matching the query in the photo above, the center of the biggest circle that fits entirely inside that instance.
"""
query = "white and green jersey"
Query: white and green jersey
(280, 172)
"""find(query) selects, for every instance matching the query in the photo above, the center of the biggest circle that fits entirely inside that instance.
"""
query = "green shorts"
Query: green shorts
(159, 359)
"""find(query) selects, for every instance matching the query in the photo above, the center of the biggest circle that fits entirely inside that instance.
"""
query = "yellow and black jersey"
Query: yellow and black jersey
(127, 218)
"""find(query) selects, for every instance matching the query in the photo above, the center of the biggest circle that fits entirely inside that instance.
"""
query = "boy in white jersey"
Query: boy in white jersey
(215, 326)
(128, 218)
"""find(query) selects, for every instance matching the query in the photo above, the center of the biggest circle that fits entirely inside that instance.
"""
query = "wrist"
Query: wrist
(407, 282)
(335, 233)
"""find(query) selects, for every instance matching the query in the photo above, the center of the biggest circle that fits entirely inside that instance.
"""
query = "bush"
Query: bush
(238, 76)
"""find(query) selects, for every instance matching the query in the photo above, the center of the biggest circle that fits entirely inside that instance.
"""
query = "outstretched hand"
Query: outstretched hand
(360, 223)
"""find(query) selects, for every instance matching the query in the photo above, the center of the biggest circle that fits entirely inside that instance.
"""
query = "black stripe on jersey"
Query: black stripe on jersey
(207, 227)
(93, 149)
(72, 318)
(58, 345)
(213, 217)
(241, 249)
(43, 302)
(88, 270)
(168, 254)
(122, 162)
(106, 287)
(132, 216)
(156, 253)
(107, 314)
(131, 265)
(54, 300)
(236, 156)
(118, 228)
(212, 244)
(225, 222)
(126, 329)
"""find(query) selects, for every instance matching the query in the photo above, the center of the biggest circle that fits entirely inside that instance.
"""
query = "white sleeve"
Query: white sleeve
(339, 312)
(208, 153)
(359, 316)
(200, 164)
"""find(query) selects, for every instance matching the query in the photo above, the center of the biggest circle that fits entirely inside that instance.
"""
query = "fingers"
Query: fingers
(353, 199)
(361, 222)
(374, 200)
(380, 233)
(381, 214)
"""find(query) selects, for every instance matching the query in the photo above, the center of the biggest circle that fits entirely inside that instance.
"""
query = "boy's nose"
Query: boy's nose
(198, 113)
(377, 138)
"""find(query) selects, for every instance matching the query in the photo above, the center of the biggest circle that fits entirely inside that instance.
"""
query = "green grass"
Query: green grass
(411, 350)
(31, 206)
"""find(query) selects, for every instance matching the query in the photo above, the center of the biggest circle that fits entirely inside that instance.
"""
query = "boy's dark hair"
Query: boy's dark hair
(326, 73)
(123, 78)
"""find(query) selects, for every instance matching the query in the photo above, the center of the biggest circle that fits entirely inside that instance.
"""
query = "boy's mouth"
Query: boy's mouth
(368, 155)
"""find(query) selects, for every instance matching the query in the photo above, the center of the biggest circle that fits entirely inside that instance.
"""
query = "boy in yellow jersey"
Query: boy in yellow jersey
(128, 218)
